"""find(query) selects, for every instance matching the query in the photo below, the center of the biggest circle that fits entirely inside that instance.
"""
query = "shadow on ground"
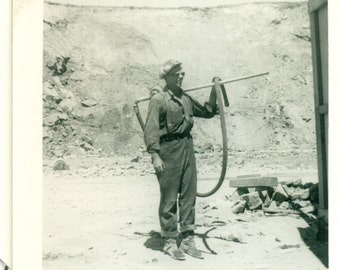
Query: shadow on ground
(155, 241)
(316, 237)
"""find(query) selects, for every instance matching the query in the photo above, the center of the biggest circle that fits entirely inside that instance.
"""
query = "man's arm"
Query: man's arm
(151, 133)
(209, 109)
(157, 162)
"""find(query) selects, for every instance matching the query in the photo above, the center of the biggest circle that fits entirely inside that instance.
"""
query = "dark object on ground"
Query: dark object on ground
(136, 159)
(59, 67)
(61, 165)
(89, 103)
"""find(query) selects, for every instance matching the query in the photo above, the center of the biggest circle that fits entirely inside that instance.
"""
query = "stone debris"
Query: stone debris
(253, 181)
(136, 159)
(59, 152)
(60, 165)
(302, 194)
(291, 197)
(308, 209)
(89, 103)
(236, 196)
(285, 246)
(231, 237)
(238, 207)
(87, 139)
(86, 146)
(59, 67)
(54, 118)
(266, 201)
(253, 200)
(280, 194)
(67, 105)
(285, 205)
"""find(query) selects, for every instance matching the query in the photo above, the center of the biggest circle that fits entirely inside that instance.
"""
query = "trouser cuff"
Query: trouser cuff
(188, 228)
(173, 234)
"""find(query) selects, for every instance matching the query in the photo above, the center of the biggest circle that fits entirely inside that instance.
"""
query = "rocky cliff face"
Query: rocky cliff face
(114, 54)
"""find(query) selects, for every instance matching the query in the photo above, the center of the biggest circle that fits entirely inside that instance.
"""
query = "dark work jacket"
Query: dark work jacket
(170, 115)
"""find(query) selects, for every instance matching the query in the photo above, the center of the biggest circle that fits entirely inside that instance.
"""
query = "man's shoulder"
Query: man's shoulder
(158, 96)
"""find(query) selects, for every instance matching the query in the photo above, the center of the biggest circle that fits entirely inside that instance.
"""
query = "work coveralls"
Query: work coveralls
(167, 131)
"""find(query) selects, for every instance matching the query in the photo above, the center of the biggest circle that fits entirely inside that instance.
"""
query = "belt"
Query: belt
(172, 137)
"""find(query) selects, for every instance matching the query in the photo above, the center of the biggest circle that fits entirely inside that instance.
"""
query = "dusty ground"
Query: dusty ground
(112, 223)
(102, 212)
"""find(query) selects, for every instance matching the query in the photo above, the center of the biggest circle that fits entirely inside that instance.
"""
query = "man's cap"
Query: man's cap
(168, 66)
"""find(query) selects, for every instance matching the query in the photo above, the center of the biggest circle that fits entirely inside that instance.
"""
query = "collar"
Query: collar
(172, 95)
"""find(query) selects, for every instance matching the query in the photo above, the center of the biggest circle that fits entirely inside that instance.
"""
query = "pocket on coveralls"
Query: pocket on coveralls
(174, 119)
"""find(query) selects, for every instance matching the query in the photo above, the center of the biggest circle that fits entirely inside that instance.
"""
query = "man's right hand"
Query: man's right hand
(157, 162)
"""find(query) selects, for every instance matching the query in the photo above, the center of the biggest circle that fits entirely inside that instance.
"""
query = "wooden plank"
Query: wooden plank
(323, 213)
(253, 182)
(314, 5)
(320, 100)
(323, 96)
(323, 109)
(249, 176)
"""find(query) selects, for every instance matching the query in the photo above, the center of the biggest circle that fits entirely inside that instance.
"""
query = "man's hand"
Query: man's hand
(157, 162)
(213, 97)
(213, 79)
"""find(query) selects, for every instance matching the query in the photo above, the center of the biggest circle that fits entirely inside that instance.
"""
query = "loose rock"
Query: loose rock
(61, 165)
(87, 139)
(253, 200)
(280, 194)
(136, 159)
(238, 207)
(86, 146)
(53, 118)
(89, 103)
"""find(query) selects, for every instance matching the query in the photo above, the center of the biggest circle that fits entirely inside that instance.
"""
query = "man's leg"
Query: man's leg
(187, 201)
(167, 210)
(188, 188)
(169, 182)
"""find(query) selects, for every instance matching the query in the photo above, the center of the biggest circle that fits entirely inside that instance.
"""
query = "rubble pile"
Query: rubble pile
(62, 133)
(288, 197)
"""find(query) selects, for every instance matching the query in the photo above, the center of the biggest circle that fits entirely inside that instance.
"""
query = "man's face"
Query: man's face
(174, 78)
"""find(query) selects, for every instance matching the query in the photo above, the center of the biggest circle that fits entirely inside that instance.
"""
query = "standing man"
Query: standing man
(168, 140)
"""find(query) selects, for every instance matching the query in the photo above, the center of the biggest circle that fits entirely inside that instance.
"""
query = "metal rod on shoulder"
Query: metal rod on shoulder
(211, 84)
(226, 81)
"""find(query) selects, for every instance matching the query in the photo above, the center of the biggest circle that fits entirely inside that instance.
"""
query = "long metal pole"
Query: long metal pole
(211, 84)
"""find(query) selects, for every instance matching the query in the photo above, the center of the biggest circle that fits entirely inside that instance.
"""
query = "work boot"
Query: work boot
(170, 248)
(188, 246)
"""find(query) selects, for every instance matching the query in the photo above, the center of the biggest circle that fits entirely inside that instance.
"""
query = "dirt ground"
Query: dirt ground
(112, 223)
(103, 213)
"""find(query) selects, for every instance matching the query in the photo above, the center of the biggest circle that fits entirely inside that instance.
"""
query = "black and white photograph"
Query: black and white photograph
(177, 134)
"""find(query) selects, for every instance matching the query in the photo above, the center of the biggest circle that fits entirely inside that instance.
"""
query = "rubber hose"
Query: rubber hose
(224, 140)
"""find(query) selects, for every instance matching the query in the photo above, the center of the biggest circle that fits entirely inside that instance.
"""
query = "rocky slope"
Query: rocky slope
(114, 54)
